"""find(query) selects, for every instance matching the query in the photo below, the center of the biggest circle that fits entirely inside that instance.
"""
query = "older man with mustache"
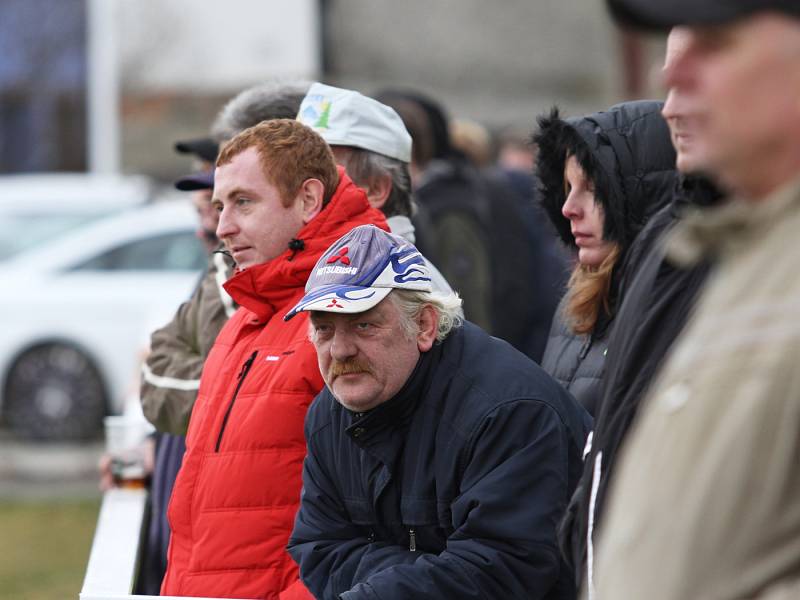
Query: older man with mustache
(439, 459)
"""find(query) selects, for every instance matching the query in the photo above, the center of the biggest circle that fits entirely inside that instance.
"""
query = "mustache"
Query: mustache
(347, 367)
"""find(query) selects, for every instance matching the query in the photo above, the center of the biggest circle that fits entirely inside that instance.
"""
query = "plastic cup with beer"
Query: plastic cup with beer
(125, 437)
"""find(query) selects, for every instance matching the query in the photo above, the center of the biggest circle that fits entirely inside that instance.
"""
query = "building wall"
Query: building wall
(179, 61)
(500, 62)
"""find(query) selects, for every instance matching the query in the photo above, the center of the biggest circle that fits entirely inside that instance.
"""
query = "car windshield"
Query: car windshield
(20, 232)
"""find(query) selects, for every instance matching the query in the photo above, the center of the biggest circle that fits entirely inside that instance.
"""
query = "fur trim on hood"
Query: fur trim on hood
(627, 153)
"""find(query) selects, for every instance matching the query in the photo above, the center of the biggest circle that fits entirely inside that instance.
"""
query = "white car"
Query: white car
(76, 313)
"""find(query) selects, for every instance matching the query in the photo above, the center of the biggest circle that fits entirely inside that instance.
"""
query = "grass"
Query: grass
(44, 547)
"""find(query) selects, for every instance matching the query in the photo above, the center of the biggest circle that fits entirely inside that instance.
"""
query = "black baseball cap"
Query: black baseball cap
(665, 14)
(205, 148)
(204, 180)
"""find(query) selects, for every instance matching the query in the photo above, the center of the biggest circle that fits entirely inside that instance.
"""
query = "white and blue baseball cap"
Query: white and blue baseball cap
(347, 118)
(360, 269)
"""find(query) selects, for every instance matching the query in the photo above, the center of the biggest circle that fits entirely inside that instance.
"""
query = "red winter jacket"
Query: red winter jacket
(237, 493)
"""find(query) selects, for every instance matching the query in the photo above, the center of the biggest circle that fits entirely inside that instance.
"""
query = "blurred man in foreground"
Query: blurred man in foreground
(439, 459)
(706, 499)
(281, 202)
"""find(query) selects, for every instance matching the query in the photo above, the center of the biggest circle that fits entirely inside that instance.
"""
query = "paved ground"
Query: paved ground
(42, 470)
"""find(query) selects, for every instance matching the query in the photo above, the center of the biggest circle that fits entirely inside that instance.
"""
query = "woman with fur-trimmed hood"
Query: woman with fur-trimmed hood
(601, 176)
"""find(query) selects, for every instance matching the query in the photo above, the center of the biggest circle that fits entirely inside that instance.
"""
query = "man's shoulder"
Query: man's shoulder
(491, 374)
(323, 411)
(497, 365)
(230, 331)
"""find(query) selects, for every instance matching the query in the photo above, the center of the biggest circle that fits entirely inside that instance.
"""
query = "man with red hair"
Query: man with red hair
(282, 202)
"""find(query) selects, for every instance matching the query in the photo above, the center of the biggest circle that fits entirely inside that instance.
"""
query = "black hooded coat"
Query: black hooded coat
(631, 162)
(658, 298)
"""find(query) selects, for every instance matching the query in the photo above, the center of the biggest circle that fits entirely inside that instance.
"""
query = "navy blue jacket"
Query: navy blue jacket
(452, 489)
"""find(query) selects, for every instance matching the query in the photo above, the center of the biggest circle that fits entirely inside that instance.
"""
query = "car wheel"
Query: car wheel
(54, 392)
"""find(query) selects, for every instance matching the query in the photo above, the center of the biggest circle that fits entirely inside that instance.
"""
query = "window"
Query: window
(166, 252)
(37, 228)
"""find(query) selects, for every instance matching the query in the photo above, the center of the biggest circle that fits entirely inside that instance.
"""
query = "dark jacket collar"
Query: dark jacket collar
(368, 428)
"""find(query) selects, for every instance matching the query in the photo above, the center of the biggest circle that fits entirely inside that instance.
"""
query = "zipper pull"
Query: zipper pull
(247, 364)
(412, 540)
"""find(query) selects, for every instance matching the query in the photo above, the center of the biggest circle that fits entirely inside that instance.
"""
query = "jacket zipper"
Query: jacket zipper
(242, 374)
(585, 349)
(412, 540)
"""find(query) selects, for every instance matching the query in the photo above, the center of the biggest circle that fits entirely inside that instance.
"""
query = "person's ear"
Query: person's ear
(311, 195)
(378, 191)
(428, 322)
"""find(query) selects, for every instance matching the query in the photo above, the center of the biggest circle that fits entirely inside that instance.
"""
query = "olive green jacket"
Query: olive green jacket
(171, 373)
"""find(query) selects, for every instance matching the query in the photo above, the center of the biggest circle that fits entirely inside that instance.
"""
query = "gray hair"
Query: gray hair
(363, 166)
(411, 302)
(263, 102)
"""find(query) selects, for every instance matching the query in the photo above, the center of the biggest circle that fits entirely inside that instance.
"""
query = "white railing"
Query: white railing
(114, 559)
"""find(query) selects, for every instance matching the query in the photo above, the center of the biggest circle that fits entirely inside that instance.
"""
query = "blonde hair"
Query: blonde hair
(588, 292)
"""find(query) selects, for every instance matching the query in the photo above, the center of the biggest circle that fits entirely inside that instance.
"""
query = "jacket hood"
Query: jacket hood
(268, 287)
(631, 162)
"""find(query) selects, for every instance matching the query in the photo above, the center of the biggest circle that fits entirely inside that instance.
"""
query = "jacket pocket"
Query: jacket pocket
(425, 525)
(360, 512)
